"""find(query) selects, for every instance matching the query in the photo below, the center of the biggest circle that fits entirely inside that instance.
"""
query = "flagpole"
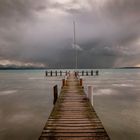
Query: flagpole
(74, 43)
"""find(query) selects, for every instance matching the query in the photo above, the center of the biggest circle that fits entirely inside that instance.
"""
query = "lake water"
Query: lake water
(26, 101)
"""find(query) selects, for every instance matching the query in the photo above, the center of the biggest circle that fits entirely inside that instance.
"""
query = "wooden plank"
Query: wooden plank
(68, 134)
(76, 131)
(72, 138)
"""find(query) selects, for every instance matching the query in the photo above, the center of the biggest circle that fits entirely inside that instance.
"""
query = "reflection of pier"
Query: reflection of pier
(73, 117)
(63, 73)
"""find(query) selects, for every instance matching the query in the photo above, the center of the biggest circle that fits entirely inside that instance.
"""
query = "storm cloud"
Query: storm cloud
(40, 33)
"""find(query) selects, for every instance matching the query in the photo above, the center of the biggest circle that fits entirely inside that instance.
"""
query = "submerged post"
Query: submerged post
(55, 91)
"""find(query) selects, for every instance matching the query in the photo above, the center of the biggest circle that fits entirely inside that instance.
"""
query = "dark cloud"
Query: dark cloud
(107, 32)
(21, 8)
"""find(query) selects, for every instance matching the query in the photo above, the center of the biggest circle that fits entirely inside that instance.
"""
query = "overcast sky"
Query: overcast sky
(40, 33)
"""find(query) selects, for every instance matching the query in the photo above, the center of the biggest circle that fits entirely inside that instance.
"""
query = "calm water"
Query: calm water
(26, 102)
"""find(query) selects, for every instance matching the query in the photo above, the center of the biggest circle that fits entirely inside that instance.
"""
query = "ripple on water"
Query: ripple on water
(123, 85)
(104, 92)
(7, 92)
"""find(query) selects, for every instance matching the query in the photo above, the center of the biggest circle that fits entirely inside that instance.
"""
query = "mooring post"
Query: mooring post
(46, 73)
(82, 73)
(60, 73)
(63, 83)
(90, 94)
(55, 91)
(97, 72)
(76, 74)
(66, 73)
(51, 73)
(55, 73)
(91, 72)
(81, 82)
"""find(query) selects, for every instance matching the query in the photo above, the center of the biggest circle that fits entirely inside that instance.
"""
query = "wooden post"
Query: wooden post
(76, 74)
(66, 73)
(55, 91)
(97, 72)
(63, 83)
(51, 73)
(90, 94)
(82, 73)
(60, 73)
(55, 73)
(46, 73)
(91, 72)
(81, 82)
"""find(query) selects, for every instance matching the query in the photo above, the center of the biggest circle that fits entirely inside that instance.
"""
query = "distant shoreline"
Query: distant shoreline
(129, 68)
(9, 68)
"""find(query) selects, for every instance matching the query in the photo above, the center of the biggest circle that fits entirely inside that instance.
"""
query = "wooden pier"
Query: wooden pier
(73, 117)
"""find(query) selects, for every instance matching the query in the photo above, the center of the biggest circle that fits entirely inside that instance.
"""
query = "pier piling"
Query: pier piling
(97, 72)
(46, 73)
(77, 73)
(91, 72)
(60, 73)
(51, 73)
(55, 94)
(63, 83)
(90, 94)
(81, 82)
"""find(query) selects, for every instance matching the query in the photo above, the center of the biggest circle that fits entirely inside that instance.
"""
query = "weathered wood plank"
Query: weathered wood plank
(76, 131)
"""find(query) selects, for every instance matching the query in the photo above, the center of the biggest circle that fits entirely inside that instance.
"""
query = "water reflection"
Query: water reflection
(116, 99)
(26, 102)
